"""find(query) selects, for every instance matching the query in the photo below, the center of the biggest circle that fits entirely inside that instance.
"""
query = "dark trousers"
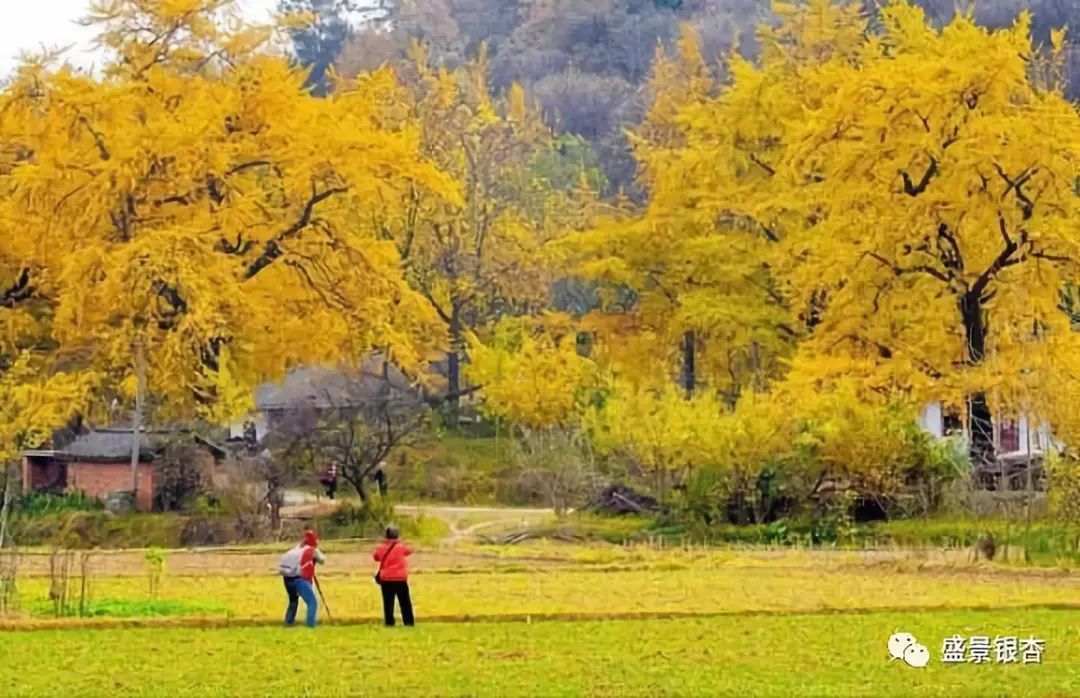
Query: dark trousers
(298, 588)
(390, 590)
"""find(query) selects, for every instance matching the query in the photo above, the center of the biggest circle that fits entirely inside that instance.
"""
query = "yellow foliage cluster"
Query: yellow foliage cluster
(838, 431)
(198, 206)
(532, 375)
(476, 256)
(899, 179)
(858, 222)
(663, 430)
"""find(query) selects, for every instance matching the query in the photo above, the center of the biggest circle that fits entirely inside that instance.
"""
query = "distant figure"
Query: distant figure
(986, 546)
(380, 478)
(393, 576)
(297, 568)
(329, 480)
(250, 434)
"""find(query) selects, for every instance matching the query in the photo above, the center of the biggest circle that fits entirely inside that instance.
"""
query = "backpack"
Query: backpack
(289, 564)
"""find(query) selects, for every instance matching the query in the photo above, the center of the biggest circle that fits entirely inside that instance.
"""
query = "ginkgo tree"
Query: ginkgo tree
(934, 192)
(917, 189)
(478, 258)
(686, 292)
(193, 214)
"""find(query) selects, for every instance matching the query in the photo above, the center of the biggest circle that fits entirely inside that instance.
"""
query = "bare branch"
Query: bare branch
(272, 249)
(19, 291)
(760, 163)
(915, 269)
(913, 189)
(99, 140)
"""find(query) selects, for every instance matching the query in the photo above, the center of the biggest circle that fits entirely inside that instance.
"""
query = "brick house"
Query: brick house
(98, 463)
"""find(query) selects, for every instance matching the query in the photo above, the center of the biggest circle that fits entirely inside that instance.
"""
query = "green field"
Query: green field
(738, 655)
(549, 620)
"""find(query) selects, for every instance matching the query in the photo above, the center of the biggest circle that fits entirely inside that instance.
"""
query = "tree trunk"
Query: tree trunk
(358, 485)
(980, 420)
(453, 378)
(273, 498)
(137, 417)
(689, 372)
(453, 373)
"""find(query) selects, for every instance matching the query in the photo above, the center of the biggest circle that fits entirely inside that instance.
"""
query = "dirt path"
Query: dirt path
(464, 522)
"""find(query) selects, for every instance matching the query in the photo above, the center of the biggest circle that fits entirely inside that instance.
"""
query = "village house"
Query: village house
(98, 463)
(1018, 441)
(322, 389)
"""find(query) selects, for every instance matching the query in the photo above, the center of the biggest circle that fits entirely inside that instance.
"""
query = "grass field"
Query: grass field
(550, 619)
(793, 655)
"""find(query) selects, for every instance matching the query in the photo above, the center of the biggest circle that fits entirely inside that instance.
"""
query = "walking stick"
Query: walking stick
(322, 598)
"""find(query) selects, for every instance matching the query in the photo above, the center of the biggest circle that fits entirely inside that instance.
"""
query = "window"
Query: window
(1009, 436)
(953, 423)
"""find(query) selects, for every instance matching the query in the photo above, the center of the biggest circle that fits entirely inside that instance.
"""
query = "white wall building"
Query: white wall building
(1013, 438)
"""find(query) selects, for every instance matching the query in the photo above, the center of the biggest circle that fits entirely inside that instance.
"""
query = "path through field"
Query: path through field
(464, 522)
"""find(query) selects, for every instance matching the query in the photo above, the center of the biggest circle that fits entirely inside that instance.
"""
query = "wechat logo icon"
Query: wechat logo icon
(904, 646)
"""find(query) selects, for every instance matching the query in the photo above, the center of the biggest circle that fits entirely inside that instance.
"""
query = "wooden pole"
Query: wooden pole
(1029, 495)
(498, 420)
(6, 506)
(136, 422)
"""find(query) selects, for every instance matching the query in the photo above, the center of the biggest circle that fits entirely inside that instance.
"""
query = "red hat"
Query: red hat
(311, 539)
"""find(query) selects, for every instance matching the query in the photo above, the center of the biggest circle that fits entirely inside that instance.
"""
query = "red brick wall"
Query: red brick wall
(99, 479)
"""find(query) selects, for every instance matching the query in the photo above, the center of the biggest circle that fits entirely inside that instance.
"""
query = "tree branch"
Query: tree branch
(99, 140)
(272, 249)
(760, 163)
(1004, 259)
(19, 291)
(913, 189)
(916, 269)
(1027, 206)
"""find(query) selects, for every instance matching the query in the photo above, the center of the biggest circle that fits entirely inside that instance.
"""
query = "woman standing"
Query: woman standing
(297, 568)
(393, 576)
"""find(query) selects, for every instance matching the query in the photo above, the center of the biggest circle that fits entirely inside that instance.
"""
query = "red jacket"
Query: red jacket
(395, 568)
(310, 555)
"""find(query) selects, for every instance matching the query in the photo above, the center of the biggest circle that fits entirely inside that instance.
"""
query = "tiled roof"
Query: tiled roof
(323, 387)
(109, 444)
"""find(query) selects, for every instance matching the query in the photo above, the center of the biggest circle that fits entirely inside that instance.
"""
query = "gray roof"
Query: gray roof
(323, 387)
(115, 444)
(108, 444)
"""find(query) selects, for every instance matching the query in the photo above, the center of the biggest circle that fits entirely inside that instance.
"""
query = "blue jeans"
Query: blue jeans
(299, 588)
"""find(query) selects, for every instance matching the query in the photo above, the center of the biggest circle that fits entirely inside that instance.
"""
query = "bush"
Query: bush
(371, 519)
(82, 530)
(557, 468)
(178, 476)
(453, 467)
(1064, 490)
(1064, 494)
(35, 504)
(357, 521)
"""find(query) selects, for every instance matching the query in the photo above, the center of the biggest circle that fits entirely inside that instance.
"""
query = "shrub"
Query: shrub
(178, 476)
(557, 467)
(34, 504)
(1064, 493)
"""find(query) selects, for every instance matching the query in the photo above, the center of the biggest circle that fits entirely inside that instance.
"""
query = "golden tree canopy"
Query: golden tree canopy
(196, 202)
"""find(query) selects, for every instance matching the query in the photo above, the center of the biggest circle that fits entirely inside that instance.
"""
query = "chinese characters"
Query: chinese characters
(979, 649)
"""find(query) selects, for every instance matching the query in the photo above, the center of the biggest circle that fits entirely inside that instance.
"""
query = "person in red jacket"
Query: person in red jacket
(393, 576)
(297, 568)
